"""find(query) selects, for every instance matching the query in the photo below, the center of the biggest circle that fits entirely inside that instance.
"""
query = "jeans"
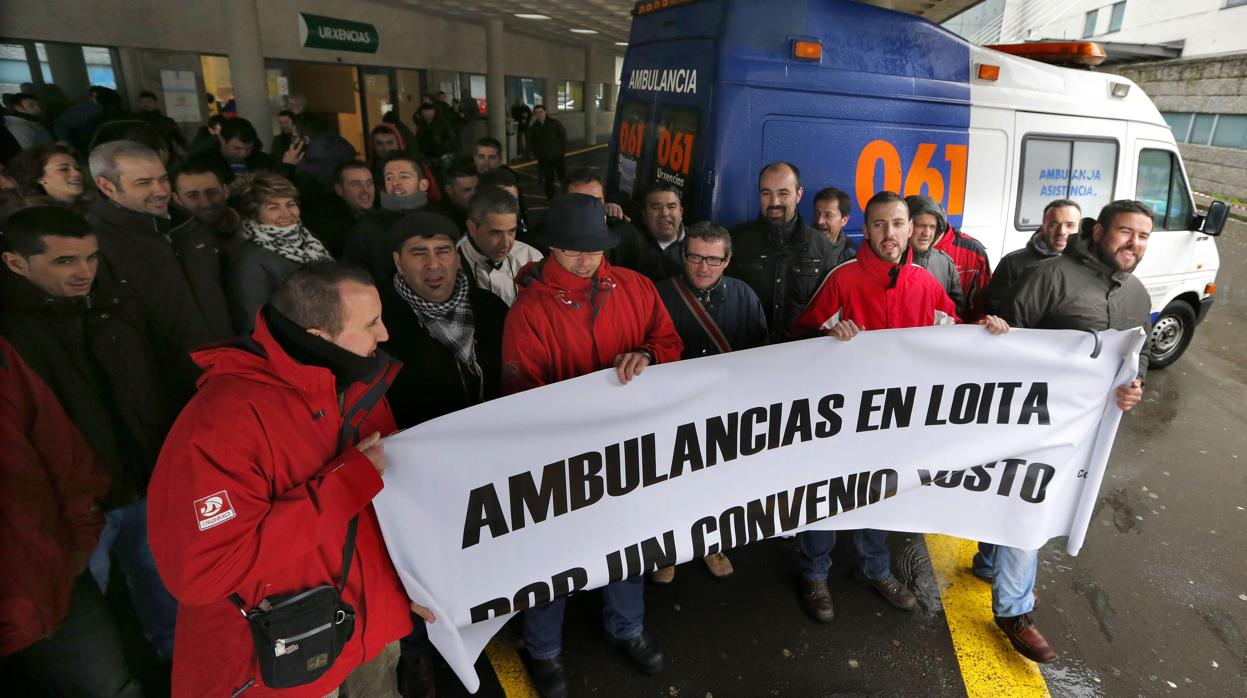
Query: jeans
(1013, 572)
(125, 532)
(870, 547)
(82, 658)
(623, 614)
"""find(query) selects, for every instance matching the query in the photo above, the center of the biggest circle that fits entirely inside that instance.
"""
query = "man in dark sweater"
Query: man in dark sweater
(1060, 224)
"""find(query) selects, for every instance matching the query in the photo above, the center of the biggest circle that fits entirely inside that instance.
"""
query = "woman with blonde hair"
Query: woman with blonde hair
(274, 243)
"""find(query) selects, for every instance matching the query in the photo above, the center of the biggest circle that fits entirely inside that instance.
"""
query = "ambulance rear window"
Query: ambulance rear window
(673, 154)
(1063, 167)
(633, 123)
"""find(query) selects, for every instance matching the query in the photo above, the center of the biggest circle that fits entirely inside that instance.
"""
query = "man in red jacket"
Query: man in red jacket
(57, 635)
(258, 483)
(576, 314)
(968, 254)
(874, 291)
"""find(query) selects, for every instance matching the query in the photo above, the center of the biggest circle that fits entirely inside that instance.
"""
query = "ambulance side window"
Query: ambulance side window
(1161, 186)
(676, 136)
(1061, 167)
(633, 132)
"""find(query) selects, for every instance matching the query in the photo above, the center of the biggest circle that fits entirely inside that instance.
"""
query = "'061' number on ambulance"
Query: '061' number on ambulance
(917, 175)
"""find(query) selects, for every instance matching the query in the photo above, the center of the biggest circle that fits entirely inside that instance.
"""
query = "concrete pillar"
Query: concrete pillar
(246, 66)
(495, 82)
(591, 107)
(69, 70)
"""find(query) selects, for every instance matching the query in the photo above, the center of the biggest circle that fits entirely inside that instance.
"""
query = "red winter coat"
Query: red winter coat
(877, 296)
(49, 485)
(261, 438)
(562, 326)
(973, 269)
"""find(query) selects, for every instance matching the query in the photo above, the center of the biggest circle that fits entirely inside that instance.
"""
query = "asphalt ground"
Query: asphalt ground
(1156, 603)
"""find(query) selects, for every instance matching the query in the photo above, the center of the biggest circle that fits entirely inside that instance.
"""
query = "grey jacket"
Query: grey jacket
(251, 277)
(1077, 291)
(944, 270)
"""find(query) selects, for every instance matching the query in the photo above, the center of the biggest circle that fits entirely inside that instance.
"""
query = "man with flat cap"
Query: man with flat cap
(448, 334)
(576, 314)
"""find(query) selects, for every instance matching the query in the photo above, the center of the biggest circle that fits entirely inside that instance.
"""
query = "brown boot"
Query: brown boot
(891, 589)
(1026, 638)
(719, 565)
(816, 599)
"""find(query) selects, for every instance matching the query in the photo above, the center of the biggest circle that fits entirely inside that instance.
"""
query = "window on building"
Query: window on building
(1114, 20)
(56, 63)
(1231, 131)
(531, 90)
(602, 95)
(1088, 25)
(1180, 122)
(1162, 186)
(1084, 170)
(1235, 3)
(570, 95)
(1201, 131)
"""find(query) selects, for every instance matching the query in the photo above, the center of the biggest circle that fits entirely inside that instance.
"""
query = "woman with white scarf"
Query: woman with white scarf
(274, 242)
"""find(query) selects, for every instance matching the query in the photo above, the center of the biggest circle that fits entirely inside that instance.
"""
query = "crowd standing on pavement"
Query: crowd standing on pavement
(203, 344)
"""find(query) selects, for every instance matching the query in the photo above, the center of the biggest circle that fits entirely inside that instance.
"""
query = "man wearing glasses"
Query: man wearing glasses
(576, 314)
(714, 314)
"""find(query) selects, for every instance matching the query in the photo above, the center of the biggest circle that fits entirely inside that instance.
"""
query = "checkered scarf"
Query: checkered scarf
(293, 242)
(450, 323)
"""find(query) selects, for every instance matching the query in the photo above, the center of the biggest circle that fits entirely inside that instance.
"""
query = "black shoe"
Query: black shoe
(549, 677)
(642, 652)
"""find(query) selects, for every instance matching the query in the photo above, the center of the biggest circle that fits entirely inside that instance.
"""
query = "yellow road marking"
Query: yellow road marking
(530, 163)
(989, 665)
(509, 669)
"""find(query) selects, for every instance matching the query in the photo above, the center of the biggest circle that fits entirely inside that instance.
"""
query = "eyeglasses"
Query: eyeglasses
(575, 253)
(696, 259)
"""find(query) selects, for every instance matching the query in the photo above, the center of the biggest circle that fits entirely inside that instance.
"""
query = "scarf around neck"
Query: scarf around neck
(294, 242)
(450, 323)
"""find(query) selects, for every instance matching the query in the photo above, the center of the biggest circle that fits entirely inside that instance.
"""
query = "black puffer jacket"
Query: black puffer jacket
(1009, 271)
(92, 353)
(1077, 291)
(785, 272)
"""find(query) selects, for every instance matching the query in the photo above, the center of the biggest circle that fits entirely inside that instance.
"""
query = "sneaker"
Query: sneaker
(892, 591)
(663, 575)
(1026, 638)
(549, 677)
(816, 599)
(642, 652)
(719, 565)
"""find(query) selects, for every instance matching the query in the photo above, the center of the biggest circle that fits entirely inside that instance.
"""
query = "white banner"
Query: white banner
(950, 430)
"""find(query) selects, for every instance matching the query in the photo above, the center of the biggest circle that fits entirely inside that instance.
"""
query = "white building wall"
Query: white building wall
(1206, 26)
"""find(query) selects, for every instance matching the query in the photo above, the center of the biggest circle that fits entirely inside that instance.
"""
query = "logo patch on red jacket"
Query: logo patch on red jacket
(213, 510)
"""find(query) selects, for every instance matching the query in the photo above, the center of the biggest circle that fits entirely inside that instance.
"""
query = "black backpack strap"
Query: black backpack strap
(348, 551)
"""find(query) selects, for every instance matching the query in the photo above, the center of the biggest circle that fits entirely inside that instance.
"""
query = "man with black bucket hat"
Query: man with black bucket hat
(576, 314)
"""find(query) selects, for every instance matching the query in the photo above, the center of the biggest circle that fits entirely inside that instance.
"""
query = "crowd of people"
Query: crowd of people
(202, 347)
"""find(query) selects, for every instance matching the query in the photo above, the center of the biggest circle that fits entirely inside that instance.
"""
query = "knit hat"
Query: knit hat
(919, 204)
(577, 222)
(423, 224)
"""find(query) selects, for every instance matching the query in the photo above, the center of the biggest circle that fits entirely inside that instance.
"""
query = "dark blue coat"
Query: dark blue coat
(734, 307)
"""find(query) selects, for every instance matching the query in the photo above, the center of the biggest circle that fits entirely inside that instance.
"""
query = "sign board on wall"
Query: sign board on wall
(181, 95)
(317, 31)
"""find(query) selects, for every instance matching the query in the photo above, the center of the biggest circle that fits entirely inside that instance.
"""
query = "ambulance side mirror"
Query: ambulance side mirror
(1214, 220)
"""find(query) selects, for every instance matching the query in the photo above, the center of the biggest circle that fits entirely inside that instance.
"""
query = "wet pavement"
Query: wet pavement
(1156, 603)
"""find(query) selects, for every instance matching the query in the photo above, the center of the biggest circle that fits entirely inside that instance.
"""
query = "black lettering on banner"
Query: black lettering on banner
(985, 404)
(641, 558)
(701, 531)
(830, 424)
(1006, 480)
(1036, 403)
(790, 511)
(622, 478)
(585, 478)
(561, 584)
(867, 408)
(1035, 484)
(534, 594)
(842, 493)
(898, 407)
(494, 608)
(733, 528)
(933, 407)
(1006, 401)
(761, 514)
(484, 510)
(649, 462)
(979, 479)
(813, 499)
(687, 450)
(798, 423)
(965, 403)
(750, 444)
(551, 497)
(721, 438)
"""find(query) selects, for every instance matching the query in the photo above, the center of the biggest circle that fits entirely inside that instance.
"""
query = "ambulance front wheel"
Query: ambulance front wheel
(1171, 333)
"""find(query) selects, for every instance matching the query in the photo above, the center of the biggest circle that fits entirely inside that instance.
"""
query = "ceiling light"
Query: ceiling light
(526, 15)
(583, 31)
(621, 43)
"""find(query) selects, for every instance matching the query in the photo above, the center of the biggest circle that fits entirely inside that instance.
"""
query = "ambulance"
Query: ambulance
(865, 99)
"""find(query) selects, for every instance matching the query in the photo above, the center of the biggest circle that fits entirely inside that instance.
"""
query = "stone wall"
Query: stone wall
(1202, 85)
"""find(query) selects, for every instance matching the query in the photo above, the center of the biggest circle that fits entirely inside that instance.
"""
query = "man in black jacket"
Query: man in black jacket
(548, 141)
(84, 338)
(448, 334)
(404, 190)
(1061, 219)
(239, 150)
(1089, 287)
(167, 257)
(781, 258)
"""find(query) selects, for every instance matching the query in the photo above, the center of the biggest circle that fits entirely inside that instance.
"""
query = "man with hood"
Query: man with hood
(1090, 286)
(1061, 219)
(877, 290)
(405, 190)
(266, 485)
(576, 314)
(970, 258)
(925, 216)
(781, 258)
